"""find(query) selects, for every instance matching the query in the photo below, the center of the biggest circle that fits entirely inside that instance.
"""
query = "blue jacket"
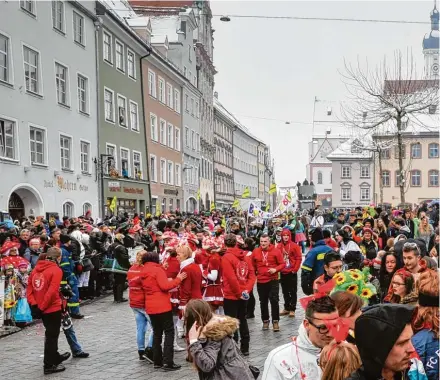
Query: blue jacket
(66, 264)
(426, 345)
(313, 266)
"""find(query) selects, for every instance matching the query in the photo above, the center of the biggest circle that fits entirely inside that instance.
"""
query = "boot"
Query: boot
(171, 367)
(54, 369)
(142, 355)
(121, 294)
(276, 326)
(149, 355)
(284, 312)
(266, 325)
(292, 314)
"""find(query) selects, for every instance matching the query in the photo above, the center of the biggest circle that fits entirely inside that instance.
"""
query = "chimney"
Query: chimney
(216, 94)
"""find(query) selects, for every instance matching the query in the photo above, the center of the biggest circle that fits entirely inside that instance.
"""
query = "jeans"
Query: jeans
(73, 302)
(237, 309)
(163, 323)
(75, 347)
(289, 286)
(52, 324)
(269, 291)
(143, 324)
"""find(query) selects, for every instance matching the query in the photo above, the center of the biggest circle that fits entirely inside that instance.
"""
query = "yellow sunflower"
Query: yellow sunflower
(353, 289)
(339, 278)
(355, 276)
(366, 293)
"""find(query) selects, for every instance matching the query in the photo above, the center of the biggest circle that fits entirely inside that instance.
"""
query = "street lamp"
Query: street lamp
(104, 159)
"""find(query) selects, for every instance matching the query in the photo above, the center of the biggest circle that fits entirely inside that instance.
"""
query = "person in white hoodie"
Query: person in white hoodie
(299, 358)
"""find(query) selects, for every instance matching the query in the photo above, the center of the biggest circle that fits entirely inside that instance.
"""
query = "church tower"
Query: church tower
(431, 46)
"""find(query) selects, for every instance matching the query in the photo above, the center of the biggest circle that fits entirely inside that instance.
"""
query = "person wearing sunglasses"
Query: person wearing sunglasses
(298, 359)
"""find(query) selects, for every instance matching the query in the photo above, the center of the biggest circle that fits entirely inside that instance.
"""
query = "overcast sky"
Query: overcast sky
(274, 68)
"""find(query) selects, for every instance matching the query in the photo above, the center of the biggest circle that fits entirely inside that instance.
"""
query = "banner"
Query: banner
(112, 206)
(284, 205)
(273, 188)
(246, 193)
(236, 204)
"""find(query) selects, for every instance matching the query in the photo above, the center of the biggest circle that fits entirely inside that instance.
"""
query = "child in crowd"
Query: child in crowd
(10, 293)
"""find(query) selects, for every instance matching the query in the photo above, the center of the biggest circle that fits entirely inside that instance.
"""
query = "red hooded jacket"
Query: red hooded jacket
(291, 253)
(136, 293)
(238, 273)
(262, 261)
(44, 286)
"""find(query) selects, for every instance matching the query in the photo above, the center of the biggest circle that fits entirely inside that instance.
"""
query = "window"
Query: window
(433, 178)
(385, 154)
(108, 46)
(161, 90)
(164, 204)
(186, 103)
(134, 116)
(319, 178)
(170, 173)
(78, 28)
(137, 165)
(109, 107)
(28, 6)
(131, 66)
(177, 139)
(192, 106)
(37, 139)
(365, 171)
(153, 127)
(198, 142)
(163, 132)
(184, 71)
(170, 136)
(152, 83)
(365, 193)
(197, 110)
(416, 178)
(61, 81)
(122, 111)
(4, 59)
(66, 151)
(163, 173)
(58, 15)
(169, 95)
(187, 137)
(346, 194)
(193, 140)
(112, 160)
(386, 180)
(177, 100)
(119, 49)
(346, 172)
(171, 205)
(125, 163)
(153, 168)
(433, 150)
(31, 70)
(85, 154)
(86, 207)
(83, 92)
(397, 178)
(68, 209)
(416, 150)
(178, 172)
(396, 151)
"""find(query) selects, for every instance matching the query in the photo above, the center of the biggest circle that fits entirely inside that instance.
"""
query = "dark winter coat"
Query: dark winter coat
(426, 345)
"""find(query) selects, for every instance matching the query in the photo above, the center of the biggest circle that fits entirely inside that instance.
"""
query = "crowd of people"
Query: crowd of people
(372, 278)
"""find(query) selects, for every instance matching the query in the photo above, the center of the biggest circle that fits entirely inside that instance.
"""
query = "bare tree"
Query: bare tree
(390, 95)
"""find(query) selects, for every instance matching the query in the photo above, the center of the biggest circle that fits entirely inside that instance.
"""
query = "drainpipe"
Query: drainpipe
(101, 203)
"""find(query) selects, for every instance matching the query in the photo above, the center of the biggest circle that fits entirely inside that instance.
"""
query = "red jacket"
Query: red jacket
(238, 273)
(44, 286)
(191, 287)
(173, 267)
(292, 252)
(263, 261)
(331, 243)
(156, 287)
(136, 293)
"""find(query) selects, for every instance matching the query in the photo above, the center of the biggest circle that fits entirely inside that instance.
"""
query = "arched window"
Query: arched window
(319, 178)
(433, 150)
(86, 207)
(433, 178)
(68, 209)
(416, 178)
(386, 178)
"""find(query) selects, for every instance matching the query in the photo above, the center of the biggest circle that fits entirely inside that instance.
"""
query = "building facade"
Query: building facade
(48, 109)
(269, 179)
(353, 175)
(224, 125)
(261, 149)
(122, 146)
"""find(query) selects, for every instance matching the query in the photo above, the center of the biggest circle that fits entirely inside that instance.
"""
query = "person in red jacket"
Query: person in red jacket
(268, 261)
(43, 295)
(158, 306)
(238, 282)
(289, 280)
(137, 304)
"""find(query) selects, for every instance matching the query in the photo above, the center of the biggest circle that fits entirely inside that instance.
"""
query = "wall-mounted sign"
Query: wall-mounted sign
(171, 192)
(113, 184)
(133, 190)
(65, 185)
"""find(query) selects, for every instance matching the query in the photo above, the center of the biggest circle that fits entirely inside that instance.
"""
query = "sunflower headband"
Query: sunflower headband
(356, 282)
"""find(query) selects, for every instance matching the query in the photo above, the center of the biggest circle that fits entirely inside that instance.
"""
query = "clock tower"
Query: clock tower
(431, 47)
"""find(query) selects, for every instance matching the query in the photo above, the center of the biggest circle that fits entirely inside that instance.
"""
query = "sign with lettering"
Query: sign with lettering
(133, 190)
(113, 184)
(65, 185)
(171, 191)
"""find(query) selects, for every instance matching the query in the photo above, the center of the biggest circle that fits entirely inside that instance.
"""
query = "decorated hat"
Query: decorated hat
(7, 245)
(354, 281)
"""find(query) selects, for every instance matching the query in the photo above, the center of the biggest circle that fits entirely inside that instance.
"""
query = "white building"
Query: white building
(48, 108)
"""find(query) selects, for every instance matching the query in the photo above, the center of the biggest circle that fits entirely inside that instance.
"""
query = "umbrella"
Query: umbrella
(434, 202)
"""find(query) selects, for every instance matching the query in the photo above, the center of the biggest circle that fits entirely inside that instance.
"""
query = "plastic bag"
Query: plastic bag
(22, 311)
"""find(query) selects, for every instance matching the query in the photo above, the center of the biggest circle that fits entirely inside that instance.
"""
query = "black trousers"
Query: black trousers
(52, 324)
(237, 309)
(163, 323)
(118, 286)
(269, 292)
(289, 286)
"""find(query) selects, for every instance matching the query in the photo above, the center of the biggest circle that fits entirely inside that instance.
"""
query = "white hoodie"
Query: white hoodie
(284, 362)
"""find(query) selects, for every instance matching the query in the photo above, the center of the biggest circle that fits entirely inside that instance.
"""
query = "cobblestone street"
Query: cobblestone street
(108, 333)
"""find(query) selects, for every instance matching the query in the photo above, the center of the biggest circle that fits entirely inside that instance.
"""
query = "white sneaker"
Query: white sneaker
(177, 348)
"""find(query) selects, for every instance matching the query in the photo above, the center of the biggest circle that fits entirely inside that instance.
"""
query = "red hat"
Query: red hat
(286, 232)
(169, 235)
(7, 245)
(366, 229)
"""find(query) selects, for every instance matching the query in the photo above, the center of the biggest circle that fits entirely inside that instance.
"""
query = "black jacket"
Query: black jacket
(120, 253)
